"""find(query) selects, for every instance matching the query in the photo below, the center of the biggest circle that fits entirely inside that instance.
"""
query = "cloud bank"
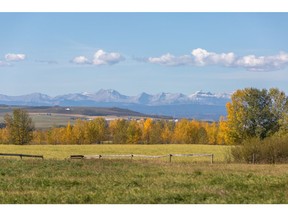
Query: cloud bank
(100, 58)
(197, 58)
(202, 57)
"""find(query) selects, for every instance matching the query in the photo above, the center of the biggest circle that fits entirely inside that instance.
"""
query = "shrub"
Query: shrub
(270, 150)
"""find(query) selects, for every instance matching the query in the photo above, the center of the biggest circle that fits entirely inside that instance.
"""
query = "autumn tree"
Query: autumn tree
(39, 137)
(184, 132)
(20, 127)
(134, 132)
(96, 130)
(4, 136)
(155, 132)
(222, 135)
(167, 132)
(56, 135)
(212, 132)
(147, 126)
(202, 134)
(118, 129)
(67, 137)
(79, 132)
(194, 129)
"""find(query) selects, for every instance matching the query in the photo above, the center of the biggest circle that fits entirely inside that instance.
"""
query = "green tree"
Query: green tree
(96, 130)
(155, 132)
(118, 129)
(20, 127)
(279, 109)
(254, 113)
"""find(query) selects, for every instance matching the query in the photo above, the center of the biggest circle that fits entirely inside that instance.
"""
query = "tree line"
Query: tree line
(120, 131)
(252, 113)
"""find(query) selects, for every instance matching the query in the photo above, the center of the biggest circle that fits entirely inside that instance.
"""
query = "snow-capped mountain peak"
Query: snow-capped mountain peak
(113, 96)
(204, 105)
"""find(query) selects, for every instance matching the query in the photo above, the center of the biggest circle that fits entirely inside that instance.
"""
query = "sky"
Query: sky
(60, 53)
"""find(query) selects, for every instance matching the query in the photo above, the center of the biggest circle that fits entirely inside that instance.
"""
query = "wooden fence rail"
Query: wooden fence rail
(141, 156)
(21, 155)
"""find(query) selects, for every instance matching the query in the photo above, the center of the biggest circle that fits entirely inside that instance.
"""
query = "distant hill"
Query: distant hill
(199, 105)
(85, 111)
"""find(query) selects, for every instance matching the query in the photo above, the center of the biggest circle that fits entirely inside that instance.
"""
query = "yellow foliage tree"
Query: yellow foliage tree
(118, 130)
(181, 132)
(147, 126)
(222, 136)
(167, 133)
(68, 139)
(134, 132)
(4, 136)
(212, 131)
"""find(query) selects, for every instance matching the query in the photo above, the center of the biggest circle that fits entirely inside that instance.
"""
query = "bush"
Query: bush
(270, 150)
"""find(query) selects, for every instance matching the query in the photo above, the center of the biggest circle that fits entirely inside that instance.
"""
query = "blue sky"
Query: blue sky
(59, 53)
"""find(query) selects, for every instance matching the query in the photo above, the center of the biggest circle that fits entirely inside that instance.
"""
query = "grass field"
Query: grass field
(44, 121)
(64, 151)
(55, 180)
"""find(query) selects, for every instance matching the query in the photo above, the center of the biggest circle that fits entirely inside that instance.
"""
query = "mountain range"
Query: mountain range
(200, 105)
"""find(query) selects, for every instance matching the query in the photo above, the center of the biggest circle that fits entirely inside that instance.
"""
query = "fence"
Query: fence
(21, 155)
(131, 156)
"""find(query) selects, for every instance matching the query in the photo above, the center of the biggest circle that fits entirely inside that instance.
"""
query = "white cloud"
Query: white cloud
(103, 58)
(202, 57)
(100, 58)
(15, 57)
(171, 60)
(198, 57)
(263, 63)
(81, 60)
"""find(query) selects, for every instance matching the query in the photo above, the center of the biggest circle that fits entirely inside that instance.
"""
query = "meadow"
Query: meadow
(186, 180)
(64, 151)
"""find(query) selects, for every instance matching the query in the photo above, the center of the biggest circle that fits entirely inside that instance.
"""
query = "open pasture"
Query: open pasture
(139, 182)
(64, 151)
(185, 180)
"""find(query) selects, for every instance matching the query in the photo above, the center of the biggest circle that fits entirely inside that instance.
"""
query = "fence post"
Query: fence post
(253, 158)
(212, 158)
(170, 158)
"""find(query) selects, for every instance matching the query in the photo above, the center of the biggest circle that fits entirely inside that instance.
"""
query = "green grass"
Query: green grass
(185, 180)
(126, 181)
